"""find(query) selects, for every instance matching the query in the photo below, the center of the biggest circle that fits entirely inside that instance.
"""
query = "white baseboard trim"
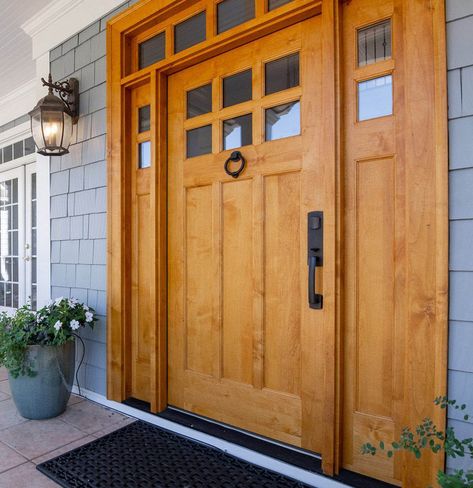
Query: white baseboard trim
(267, 462)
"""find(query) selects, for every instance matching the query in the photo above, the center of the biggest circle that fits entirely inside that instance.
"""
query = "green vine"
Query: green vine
(426, 436)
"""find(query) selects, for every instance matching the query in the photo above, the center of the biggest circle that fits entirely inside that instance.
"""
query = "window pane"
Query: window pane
(282, 74)
(152, 50)
(144, 160)
(7, 154)
(18, 151)
(199, 141)
(238, 132)
(234, 12)
(29, 146)
(283, 121)
(374, 43)
(272, 4)
(237, 88)
(144, 118)
(190, 32)
(199, 101)
(375, 98)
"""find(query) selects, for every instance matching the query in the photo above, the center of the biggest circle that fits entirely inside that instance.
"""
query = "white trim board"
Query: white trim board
(311, 479)
(61, 19)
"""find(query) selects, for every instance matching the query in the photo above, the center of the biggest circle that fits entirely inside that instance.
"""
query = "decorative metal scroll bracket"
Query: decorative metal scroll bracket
(68, 92)
(234, 158)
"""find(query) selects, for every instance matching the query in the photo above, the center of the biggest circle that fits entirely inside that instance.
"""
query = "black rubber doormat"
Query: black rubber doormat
(142, 455)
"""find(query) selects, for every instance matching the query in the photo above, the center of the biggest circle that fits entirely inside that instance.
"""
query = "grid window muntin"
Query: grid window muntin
(368, 50)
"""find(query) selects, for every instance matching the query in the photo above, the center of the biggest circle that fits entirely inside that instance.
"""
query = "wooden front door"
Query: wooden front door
(244, 345)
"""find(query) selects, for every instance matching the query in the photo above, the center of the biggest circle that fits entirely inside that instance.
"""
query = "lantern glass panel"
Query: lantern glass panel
(36, 129)
(53, 125)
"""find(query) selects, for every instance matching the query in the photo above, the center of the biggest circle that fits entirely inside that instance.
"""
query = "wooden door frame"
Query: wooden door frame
(122, 32)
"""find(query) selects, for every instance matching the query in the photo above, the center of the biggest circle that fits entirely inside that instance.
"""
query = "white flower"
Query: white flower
(58, 325)
(73, 302)
(58, 301)
(74, 324)
(85, 307)
(50, 302)
(89, 316)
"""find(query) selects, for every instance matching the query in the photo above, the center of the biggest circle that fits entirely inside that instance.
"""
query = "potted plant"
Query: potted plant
(38, 350)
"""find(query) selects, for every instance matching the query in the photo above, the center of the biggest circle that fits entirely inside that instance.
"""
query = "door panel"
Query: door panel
(239, 320)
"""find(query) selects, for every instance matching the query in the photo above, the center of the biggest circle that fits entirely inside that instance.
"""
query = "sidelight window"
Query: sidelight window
(375, 98)
(374, 43)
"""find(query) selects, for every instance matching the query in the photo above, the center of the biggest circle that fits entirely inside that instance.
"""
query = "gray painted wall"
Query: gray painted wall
(79, 194)
(460, 113)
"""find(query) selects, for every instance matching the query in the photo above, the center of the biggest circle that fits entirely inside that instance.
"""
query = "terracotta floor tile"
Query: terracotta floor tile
(9, 415)
(63, 449)
(3, 374)
(25, 476)
(113, 428)
(5, 387)
(9, 458)
(91, 417)
(37, 437)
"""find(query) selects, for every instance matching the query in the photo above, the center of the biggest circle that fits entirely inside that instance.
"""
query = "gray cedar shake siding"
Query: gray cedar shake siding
(78, 199)
(460, 88)
(79, 194)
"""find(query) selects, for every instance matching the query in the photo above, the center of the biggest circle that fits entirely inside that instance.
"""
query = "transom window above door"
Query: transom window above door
(206, 20)
(255, 104)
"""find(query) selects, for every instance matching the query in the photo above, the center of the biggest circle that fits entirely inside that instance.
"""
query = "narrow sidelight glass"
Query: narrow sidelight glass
(375, 98)
(282, 74)
(374, 43)
(152, 50)
(144, 118)
(144, 156)
(238, 88)
(190, 32)
(199, 101)
(238, 132)
(231, 13)
(199, 141)
(283, 121)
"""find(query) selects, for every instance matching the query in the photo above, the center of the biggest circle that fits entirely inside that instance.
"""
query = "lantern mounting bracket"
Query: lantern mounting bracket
(68, 92)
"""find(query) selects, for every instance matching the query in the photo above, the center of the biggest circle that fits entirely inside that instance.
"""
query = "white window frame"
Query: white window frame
(40, 165)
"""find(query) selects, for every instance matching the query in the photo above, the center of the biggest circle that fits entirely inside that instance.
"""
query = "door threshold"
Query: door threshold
(286, 453)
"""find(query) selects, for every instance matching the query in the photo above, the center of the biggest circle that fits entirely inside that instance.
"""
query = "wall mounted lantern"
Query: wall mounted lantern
(53, 117)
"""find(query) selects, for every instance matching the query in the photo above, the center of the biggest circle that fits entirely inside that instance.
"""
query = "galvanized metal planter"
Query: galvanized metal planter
(45, 395)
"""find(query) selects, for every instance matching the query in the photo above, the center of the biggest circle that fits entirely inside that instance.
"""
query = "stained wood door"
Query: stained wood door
(244, 346)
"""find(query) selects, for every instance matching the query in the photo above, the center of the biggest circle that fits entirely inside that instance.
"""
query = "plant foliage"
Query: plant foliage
(426, 436)
(52, 325)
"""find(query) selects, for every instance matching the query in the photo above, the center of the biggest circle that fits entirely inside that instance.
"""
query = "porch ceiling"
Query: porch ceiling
(16, 60)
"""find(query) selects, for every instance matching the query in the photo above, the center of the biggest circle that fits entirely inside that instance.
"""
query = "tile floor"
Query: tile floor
(26, 443)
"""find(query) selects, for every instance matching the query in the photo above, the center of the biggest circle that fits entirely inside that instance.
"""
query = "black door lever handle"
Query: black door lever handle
(315, 256)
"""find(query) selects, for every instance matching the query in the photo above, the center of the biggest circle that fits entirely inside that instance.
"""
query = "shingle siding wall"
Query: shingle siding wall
(79, 194)
(460, 101)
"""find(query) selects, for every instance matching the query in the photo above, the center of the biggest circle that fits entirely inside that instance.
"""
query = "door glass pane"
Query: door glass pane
(237, 88)
(283, 121)
(152, 50)
(29, 146)
(144, 158)
(33, 291)
(7, 153)
(199, 141)
(144, 118)
(9, 259)
(375, 98)
(238, 132)
(199, 101)
(234, 12)
(190, 32)
(374, 43)
(272, 4)
(18, 150)
(282, 74)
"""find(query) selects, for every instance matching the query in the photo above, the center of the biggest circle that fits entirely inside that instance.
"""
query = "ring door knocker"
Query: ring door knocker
(234, 158)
